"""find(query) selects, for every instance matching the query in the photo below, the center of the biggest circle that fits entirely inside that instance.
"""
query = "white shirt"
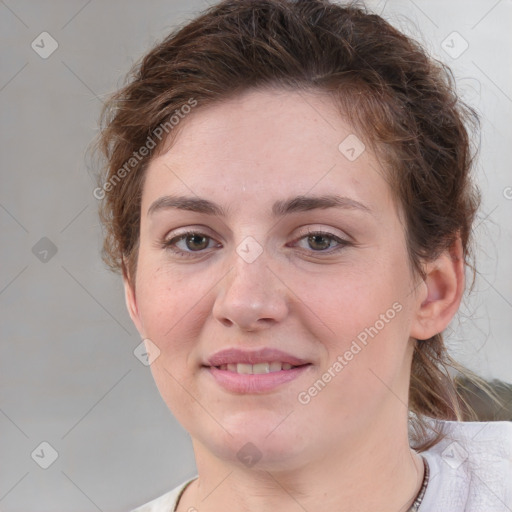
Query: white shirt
(470, 471)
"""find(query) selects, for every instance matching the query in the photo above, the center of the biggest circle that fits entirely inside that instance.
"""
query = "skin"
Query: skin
(347, 449)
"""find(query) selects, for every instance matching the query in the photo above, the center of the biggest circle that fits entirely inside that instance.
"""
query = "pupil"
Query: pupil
(196, 242)
(318, 242)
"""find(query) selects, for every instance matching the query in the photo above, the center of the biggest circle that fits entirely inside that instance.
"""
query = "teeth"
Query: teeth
(276, 366)
(244, 368)
(259, 368)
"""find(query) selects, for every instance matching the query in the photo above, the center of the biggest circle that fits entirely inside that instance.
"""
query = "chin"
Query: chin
(258, 443)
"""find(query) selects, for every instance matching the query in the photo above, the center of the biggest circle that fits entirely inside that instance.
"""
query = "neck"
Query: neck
(377, 475)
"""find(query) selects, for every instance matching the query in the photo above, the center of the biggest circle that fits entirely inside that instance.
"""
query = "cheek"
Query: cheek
(361, 319)
(176, 309)
(167, 303)
(171, 306)
(343, 303)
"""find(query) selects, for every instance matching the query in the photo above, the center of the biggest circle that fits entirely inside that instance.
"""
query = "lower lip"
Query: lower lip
(255, 383)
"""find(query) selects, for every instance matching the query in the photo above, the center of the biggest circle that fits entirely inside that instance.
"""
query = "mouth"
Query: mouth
(246, 383)
(264, 370)
(262, 360)
(258, 368)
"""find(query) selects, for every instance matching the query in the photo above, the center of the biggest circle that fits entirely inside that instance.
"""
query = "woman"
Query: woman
(288, 197)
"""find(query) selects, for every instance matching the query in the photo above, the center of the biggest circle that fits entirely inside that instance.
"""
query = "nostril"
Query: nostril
(226, 322)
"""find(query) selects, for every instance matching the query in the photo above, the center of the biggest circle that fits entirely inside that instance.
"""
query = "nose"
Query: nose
(251, 296)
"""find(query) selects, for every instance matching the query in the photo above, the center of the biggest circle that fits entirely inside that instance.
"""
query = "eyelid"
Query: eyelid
(323, 228)
(197, 229)
(169, 241)
(342, 241)
(309, 230)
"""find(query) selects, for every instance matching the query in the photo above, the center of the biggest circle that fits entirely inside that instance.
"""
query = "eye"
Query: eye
(190, 242)
(321, 241)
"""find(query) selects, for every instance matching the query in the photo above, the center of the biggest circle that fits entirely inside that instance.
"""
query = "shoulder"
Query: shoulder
(167, 502)
(471, 468)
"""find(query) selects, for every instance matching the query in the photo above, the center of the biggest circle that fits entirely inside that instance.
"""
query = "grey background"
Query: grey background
(68, 374)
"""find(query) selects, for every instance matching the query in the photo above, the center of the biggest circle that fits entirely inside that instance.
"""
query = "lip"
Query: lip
(254, 383)
(263, 355)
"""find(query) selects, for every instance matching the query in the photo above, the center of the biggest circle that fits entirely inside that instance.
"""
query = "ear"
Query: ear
(131, 302)
(441, 294)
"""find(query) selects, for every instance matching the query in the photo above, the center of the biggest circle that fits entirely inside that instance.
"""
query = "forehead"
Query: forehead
(264, 124)
(265, 144)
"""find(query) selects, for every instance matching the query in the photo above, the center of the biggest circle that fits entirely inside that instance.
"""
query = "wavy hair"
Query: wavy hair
(401, 101)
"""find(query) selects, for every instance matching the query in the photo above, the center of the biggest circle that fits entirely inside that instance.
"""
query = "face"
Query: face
(260, 231)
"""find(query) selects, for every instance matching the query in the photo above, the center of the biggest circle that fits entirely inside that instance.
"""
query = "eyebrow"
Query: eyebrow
(279, 209)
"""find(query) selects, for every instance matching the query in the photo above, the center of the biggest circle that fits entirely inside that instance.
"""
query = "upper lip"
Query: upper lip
(264, 355)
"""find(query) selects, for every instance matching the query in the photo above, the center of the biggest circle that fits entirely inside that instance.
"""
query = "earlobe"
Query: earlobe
(444, 281)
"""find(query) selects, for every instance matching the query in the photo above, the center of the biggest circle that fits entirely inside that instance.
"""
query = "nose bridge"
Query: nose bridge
(251, 296)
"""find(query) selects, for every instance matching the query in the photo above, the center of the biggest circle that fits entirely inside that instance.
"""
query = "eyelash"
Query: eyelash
(342, 243)
(169, 243)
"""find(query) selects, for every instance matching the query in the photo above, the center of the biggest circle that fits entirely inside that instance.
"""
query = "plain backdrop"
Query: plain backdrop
(68, 374)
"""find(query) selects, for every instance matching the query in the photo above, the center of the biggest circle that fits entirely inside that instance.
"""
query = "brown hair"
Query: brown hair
(401, 101)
